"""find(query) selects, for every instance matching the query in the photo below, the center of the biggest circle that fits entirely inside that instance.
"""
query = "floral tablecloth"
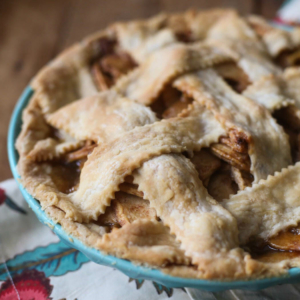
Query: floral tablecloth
(35, 264)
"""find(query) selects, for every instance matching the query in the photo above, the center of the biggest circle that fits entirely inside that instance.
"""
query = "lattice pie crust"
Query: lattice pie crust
(173, 142)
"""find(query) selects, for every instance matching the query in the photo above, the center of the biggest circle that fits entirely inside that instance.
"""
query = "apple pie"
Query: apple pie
(173, 142)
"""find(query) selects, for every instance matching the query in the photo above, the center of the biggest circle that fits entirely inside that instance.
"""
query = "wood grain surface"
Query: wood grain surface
(32, 32)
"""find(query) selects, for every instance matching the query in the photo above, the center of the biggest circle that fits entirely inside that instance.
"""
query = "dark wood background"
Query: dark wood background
(33, 31)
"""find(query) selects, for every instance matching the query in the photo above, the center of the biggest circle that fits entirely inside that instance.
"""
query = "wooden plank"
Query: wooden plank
(243, 7)
(101, 14)
(268, 8)
(32, 32)
(29, 31)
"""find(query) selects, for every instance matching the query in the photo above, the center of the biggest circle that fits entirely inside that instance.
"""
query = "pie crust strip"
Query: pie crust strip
(108, 165)
(268, 207)
(146, 82)
(102, 117)
(269, 148)
(207, 233)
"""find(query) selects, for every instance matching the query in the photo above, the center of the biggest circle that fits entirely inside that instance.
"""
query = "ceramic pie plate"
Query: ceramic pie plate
(124, 266)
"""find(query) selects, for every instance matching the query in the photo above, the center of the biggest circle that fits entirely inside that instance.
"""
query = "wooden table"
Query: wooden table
(32, 32)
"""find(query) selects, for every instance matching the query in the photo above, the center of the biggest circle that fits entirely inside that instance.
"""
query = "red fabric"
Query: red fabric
(2, 196)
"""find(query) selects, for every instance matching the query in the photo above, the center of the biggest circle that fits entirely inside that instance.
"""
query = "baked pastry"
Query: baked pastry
(173, 142)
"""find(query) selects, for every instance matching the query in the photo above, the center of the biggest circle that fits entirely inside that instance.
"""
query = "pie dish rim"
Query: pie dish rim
(126, 267)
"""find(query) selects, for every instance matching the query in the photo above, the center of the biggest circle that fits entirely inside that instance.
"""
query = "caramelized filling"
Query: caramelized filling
(65, 172)
(233, 75)
(131, 189)
(288, 240)
(180, 27)
(109, 218)
(112, 64)
(289, 118)
(221, 185)
(170, 103)
(184, 36)
(206, 164)
(236, 140)
(126, 209)
(286, 245)
(65, 175)
(80, 154)
(288, 58)
(128, 204)
(265, 253)
(54, 133)
(219, 173)
(243, 179)
(234, 158)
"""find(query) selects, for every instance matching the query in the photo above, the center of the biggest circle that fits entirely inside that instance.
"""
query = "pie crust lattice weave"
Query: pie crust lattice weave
(173, 142)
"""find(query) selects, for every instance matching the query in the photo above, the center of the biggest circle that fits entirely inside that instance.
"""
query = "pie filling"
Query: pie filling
(111, 65)
(170, 103)
(233, 75)
(128, 204)
(65, 175)
(224, 167)
(288, 118)
(288, 58)
(217, 170)
(285, 245)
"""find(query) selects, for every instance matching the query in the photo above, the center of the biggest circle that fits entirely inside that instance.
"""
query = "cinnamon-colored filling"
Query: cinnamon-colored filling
(65, 175)
(128, 204)
(289, 118)
(131, 189)
(233, 75)
(234, 158)
(224, 168)
(288, 58)
(124, 209)
(80, 154)
(65, 172)
(111, 65)
(170, 103)
(234, 173)
(221, 184)
(184, 36)
(286, 245)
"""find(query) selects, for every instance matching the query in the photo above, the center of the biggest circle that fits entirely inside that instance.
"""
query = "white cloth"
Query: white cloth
(290, 12)
(56, 270)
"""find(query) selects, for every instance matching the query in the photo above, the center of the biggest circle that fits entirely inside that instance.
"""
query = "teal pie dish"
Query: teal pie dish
(124, 266)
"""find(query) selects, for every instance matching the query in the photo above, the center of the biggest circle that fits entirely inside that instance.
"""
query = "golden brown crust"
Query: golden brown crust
(68, 78)
(146, 82)
(143, 241)
(278, 194)
(34, 128)
(240, 113)
(143, 189)
(85, 119)
(108, 165)
(275, 39)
